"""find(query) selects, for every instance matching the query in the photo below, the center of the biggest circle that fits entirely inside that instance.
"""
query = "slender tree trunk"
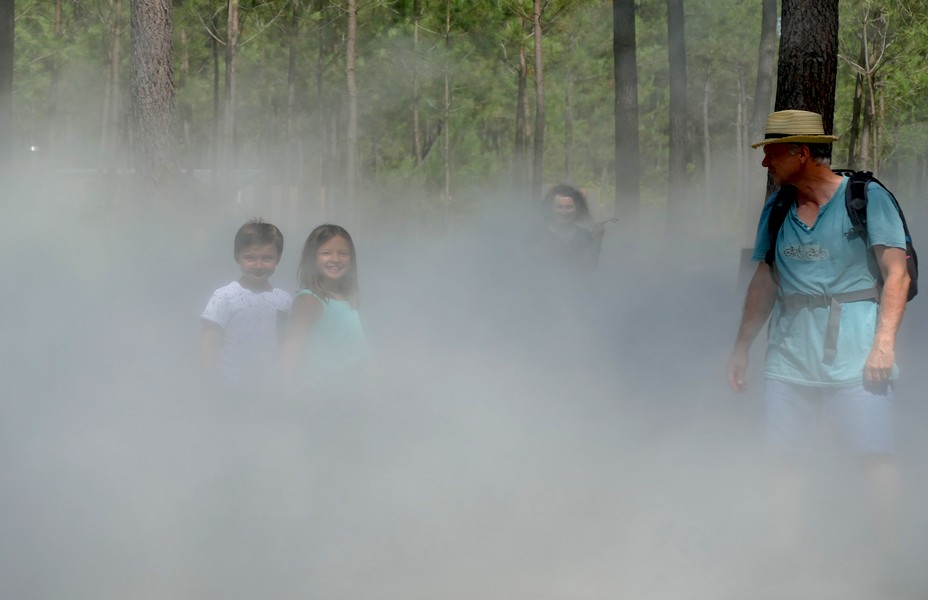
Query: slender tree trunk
(867, 129)
(569, 111)
(763, 92)
(706, 145)
(7, 27)
(152, 92)
(351, 164)
(854, 134)
(446, 119)
(677, 203)
(539, 139)
(216, 130)
(323, 122)
(627, 156)
(742, 126)
(183, 72)
(763, 88)
(113, 89)
(521, 137)
(871, 120)
(228, 106)
(53, 149)
(416, 125)
(292, 158)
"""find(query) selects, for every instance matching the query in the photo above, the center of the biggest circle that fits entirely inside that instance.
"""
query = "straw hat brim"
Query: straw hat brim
(798, 139)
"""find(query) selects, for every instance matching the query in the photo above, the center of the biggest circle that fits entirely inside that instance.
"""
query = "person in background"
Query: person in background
(831, 338)
(325, 341)
(239, 341)
(565, 239)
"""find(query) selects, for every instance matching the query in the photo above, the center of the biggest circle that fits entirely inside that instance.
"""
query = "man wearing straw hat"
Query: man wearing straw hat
(832, 332)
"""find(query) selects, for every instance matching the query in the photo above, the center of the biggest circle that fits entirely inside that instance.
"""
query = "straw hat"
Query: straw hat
(800, 126)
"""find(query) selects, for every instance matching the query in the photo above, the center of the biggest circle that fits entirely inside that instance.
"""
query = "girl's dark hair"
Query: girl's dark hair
(308, 274)
(567, 191)
(256, 232)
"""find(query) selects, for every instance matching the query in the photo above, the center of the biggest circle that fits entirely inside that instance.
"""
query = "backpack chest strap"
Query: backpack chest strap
(795, 302)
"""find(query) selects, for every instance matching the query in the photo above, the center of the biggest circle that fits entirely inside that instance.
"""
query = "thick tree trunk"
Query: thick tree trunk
(6, 84)
(627, 156)
(677, 202)
(808, 62)
(152, 90)
(538, 146)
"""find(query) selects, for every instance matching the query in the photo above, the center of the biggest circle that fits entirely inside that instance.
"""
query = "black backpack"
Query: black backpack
(855, 200)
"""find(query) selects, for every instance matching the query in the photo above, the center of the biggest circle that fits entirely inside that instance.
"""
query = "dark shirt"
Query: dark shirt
(569, 249)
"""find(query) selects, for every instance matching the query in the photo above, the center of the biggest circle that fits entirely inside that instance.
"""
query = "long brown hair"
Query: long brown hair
(308, 274)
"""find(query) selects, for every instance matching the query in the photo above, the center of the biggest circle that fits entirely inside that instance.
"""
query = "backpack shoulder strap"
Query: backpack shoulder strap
(855, 199)
(783, 201)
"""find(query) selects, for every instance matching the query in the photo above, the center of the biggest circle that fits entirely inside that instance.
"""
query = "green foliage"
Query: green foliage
(480, 57)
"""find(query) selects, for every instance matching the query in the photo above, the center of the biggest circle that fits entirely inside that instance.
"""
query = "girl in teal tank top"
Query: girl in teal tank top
(325, 341)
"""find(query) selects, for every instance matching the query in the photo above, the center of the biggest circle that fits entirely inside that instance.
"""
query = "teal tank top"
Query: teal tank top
(335, 343)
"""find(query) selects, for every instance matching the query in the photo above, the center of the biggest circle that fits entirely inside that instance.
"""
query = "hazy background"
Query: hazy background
(517, 436)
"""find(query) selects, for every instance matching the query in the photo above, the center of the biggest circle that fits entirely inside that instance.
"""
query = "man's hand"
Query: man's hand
(737, 367)
(879, 364)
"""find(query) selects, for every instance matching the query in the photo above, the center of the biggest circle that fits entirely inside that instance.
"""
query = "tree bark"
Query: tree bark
(538, 153)
(152, 90)
(808, 62)
(627, 155)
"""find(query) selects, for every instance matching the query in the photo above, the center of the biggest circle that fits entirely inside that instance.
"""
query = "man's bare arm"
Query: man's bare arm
(758, 303)
(882, 356)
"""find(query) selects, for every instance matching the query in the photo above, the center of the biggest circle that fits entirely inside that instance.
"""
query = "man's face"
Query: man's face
(782, 165)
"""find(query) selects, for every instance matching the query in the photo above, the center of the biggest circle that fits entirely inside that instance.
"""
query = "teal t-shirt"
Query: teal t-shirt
(824, 259)
(335, 343)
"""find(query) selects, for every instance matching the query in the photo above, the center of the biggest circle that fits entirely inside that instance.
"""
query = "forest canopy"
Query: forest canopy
(442, 116)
